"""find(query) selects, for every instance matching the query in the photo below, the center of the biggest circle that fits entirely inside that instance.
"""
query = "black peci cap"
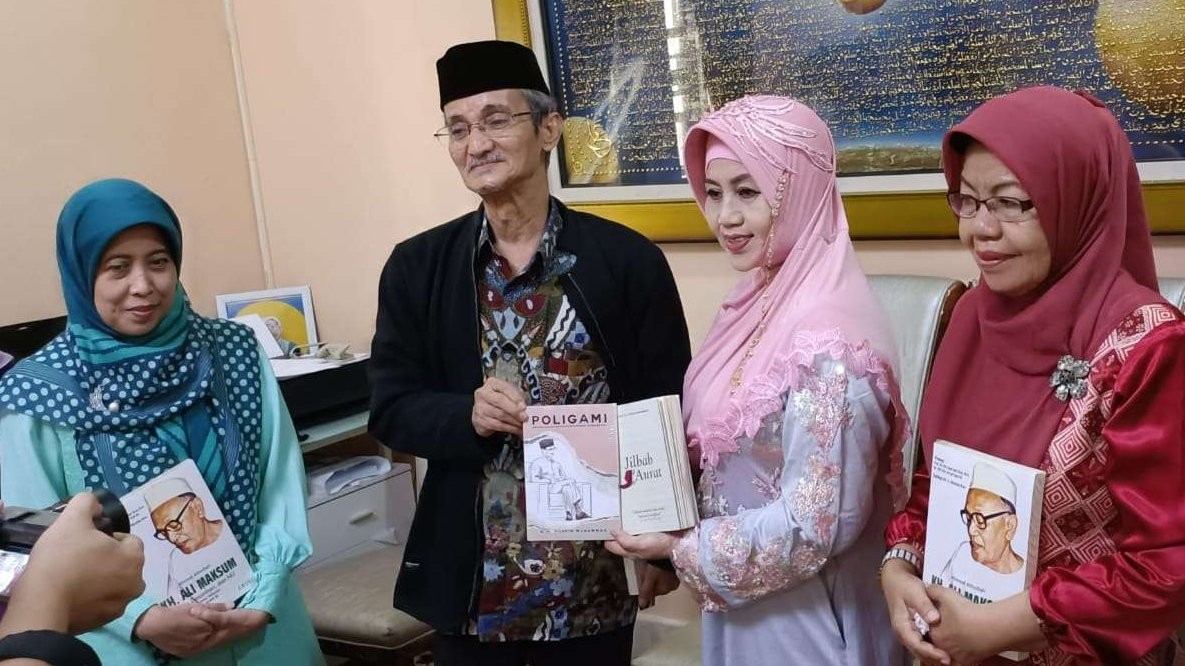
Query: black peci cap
(477, 67)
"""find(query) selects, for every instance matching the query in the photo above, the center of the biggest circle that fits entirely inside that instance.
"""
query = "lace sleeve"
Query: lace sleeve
(834, 424)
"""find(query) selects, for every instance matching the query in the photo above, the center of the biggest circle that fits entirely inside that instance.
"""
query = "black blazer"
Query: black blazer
(425, 365)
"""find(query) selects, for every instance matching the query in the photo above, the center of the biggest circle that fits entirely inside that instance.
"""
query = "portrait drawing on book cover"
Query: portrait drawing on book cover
(991, 520)
(179, 516)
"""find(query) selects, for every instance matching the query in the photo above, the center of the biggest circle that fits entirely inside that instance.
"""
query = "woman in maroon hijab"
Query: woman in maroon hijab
(1048, 199)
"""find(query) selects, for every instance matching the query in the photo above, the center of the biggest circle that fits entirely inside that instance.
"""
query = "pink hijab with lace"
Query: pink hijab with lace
(810, 296)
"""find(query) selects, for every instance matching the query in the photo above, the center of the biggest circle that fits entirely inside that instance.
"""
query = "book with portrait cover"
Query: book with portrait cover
(593, 468)
(983, 524)
(190, 553)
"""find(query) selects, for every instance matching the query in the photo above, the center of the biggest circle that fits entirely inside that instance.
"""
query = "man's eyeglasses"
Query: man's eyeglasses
(1004, 209)
(980, 520)
(173, 525)
(494, 125)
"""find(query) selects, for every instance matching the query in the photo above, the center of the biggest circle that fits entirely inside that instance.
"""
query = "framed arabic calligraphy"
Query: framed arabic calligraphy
(889, 76)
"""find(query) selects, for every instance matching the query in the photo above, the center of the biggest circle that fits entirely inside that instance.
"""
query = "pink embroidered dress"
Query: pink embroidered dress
(793, 409)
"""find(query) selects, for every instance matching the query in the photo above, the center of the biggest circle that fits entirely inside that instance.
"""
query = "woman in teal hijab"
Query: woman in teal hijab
(139, 382)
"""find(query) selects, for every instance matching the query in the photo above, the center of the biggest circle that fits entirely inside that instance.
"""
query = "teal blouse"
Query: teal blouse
(39, 466)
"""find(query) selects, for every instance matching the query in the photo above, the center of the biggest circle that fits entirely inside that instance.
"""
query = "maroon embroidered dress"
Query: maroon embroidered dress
(1112, 541)
(1110, 582)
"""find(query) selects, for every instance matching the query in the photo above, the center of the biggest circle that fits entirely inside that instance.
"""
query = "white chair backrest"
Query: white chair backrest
(918, 308)
(1173, 289)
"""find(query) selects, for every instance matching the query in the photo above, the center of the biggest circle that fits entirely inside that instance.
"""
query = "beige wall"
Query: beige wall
(343, 104)
(137, 88)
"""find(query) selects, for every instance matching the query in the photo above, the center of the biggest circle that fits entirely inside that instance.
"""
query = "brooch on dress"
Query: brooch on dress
(1069, 379)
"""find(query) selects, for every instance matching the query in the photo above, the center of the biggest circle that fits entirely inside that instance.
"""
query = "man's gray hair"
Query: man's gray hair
(541, 105)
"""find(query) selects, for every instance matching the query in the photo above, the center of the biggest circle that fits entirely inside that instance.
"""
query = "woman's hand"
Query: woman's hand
(175, 629)
(186, 630)
(230, 625)
(970, 632)
(652, 546)
(906, 597)
(963, 632)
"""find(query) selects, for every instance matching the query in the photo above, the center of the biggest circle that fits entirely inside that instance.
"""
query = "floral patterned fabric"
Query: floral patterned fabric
(534, 339)
(784, 559)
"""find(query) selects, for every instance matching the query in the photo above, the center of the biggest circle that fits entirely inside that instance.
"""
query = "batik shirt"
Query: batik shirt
(532, 338)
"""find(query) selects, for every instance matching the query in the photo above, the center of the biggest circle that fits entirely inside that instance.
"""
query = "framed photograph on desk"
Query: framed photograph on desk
(287, 313)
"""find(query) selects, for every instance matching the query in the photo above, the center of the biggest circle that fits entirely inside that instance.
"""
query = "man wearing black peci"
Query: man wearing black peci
(522, 301)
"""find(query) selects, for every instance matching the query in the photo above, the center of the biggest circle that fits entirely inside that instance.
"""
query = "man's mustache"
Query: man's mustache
(482, 161)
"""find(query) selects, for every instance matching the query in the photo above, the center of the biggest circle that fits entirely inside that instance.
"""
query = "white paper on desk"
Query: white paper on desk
(331, 479)
(291, 367)
(264, 336)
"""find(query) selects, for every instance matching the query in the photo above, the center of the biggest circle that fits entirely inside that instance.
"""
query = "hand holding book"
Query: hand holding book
(174, 629)
(652, 546)
(908, 602)
(498, 407)
(591, 469)
(971, 633)
(230, 624)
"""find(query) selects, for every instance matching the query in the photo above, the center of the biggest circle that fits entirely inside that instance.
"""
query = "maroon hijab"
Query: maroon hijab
(990, 385)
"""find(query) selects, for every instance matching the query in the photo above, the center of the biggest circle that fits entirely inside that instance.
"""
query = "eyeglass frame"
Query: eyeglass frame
(445, 133)
(1025, 206)
(174, 525)
(969, 516)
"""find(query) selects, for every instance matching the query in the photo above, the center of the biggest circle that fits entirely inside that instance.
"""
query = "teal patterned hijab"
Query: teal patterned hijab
(138, 405)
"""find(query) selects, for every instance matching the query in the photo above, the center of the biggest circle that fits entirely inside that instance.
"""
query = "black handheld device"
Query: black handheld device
(21, 527)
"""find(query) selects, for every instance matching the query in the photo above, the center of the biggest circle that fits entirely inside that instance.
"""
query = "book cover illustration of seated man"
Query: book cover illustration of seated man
(571, 483)
(546, 469)
(989, 514)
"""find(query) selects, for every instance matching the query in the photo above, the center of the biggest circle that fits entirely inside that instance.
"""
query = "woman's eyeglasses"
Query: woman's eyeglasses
(173, 525)
(1004, 209)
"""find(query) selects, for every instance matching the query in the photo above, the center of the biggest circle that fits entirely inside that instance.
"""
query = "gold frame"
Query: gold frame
(870, 216)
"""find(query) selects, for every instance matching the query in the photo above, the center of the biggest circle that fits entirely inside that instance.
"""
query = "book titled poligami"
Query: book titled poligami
(594, 468)
(190, 553)
(983, 524)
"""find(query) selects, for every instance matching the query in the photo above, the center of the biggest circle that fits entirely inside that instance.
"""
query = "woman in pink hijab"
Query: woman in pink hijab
(1064, 357)
(792, 406)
